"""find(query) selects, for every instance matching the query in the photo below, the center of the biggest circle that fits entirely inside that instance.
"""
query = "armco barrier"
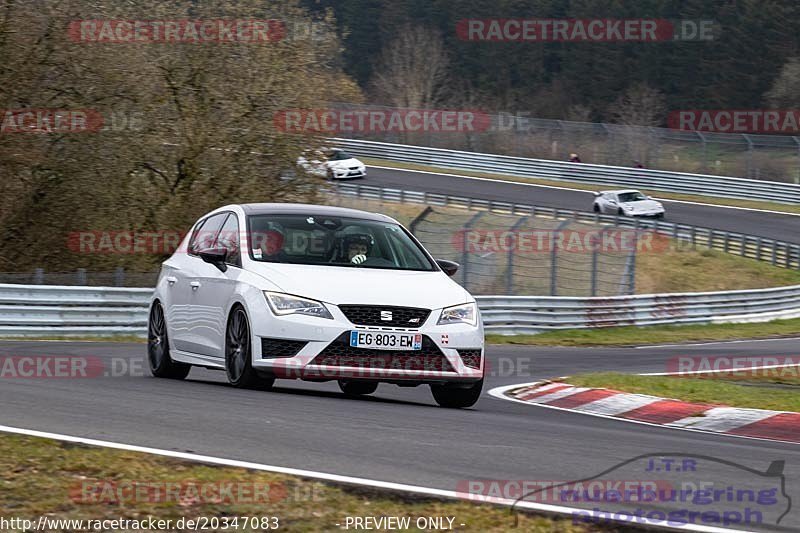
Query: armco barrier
(600, 175)
(778, 253)
(52, 310)
(55, 311)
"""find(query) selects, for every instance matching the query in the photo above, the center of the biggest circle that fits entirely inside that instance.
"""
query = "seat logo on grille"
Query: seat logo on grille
(386, 316)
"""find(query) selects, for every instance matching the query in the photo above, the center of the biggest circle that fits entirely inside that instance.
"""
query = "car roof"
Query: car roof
(620, 191)
(311, 209)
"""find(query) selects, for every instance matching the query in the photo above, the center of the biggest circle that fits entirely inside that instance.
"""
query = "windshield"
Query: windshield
(334, 241)
(339, 155)
(632, 197)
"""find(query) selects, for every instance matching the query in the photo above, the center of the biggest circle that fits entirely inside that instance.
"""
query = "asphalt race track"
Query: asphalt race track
(400, 435)
(771, 225)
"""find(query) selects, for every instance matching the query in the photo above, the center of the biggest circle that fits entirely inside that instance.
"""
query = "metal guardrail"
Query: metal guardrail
(510, 315)
(55, 311)
(778, 253)
(600, 175)
(51, 310)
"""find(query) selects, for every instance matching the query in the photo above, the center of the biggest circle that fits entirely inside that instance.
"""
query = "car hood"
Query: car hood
(644, 205)
(345, 163)
(368, 286)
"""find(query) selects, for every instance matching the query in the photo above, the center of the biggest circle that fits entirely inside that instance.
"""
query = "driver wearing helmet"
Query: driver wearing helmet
(270, 245)
(357, 247)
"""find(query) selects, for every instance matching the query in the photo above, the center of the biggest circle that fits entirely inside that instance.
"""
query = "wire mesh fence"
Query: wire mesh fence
(522, 255)
(766, 157)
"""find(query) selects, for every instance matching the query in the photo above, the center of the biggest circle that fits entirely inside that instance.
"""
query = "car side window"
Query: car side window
(228, 238)
(206, 233)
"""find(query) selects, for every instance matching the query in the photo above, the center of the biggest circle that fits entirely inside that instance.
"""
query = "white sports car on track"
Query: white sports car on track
(629, 203)
(267, 291)
(332, 163)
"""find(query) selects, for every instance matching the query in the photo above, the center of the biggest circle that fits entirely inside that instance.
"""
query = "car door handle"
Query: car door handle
(171, 280)
(194, 285)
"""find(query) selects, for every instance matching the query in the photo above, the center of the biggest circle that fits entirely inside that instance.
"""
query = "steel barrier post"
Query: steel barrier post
(554, 258)
(465, 251)
(510, 270)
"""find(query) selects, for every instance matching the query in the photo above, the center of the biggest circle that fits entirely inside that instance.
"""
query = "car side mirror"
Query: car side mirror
(449, 267)
(215, 256)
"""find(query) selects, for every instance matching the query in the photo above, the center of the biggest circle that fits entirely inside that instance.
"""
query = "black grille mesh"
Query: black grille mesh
(471, 358)
(271, 348)
(340, 353)
(370, 315)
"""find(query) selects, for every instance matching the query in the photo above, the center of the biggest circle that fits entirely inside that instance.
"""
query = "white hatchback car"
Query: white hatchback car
(267, 291)
(332, 163)
(629, 203)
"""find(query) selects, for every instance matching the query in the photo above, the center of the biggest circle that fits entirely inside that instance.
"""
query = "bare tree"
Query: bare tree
(412, 69)
(204, 133)
(640, 105)
(785, 90)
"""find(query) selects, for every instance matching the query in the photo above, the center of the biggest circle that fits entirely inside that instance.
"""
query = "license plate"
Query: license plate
(380, 340)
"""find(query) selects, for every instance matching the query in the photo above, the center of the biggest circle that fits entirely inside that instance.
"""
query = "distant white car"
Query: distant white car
(332, 163)
(629, 203)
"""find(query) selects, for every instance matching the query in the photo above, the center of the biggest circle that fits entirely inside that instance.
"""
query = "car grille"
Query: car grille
(271, 348)
(340, 353)
(370, 315)
(471, 358)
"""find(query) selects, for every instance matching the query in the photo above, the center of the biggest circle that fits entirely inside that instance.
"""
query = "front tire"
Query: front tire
(457, 397)
(239, 354)
(161, 364)
(358, 388)
(596, 208)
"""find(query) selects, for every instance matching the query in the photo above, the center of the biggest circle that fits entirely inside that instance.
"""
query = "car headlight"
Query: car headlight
(286, 304)
(464, 313)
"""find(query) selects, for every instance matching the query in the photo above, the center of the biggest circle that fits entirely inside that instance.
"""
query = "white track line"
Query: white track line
(533, 506)
(719, 371)
(712, 343)
(500, 180)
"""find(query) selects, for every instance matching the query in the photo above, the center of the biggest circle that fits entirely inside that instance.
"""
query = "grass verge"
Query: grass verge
(42, 477)
(633, 335)
(756, 394)
(750, 204)
(687, 270)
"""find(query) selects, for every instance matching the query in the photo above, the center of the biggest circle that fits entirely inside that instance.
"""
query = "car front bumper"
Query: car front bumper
(344, 174)
(645, 214)
(296, 346)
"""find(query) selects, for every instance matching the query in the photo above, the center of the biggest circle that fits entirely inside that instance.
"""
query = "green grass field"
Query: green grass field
(767, 392)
